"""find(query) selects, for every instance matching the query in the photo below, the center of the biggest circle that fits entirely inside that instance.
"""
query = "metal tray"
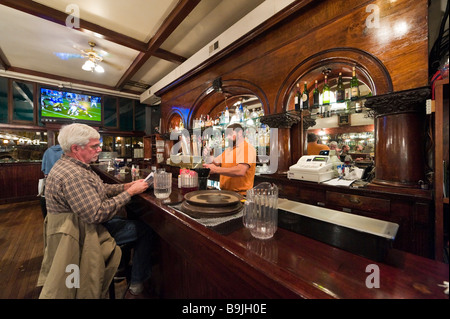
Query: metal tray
(213, 198)
(209, 212)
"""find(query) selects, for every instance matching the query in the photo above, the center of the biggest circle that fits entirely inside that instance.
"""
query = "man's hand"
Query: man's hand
(136, 187)
(213, 169)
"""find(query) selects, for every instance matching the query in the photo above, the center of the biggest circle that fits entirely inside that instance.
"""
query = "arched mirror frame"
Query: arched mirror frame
(174, 118)
(212, 100)
(369, 70)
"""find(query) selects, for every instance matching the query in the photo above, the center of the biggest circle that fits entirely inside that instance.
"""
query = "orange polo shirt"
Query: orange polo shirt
(244, 153)
(314, 149)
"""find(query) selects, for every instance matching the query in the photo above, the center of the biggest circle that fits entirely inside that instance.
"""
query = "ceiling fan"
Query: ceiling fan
(93, 57)
(93, 60)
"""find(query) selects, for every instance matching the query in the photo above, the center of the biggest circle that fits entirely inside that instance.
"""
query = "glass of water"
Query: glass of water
(162, 184)
(261, 210)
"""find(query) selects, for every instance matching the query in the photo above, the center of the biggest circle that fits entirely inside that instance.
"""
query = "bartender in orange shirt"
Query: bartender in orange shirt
(313, 147)
(237, 164)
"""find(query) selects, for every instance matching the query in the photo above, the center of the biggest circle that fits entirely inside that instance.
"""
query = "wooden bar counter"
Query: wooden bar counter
(197, 262)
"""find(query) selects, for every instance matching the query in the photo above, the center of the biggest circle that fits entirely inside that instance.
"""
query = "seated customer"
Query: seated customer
(73, 188)
(313, 147)
(345, 156)
(334, 147)
(50, 157)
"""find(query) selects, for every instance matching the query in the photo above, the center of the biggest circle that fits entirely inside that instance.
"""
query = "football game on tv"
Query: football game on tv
(69, 106)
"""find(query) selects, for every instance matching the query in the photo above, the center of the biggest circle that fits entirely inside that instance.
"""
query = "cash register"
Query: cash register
(313, 168)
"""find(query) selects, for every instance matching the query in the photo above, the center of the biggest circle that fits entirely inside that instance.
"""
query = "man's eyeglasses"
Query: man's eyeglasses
(94, 147)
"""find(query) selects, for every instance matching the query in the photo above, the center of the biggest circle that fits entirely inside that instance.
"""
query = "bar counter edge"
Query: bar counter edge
(197, 262)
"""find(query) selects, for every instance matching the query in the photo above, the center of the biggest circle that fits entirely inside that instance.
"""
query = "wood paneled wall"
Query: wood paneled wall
(393, 53)
(19, 182)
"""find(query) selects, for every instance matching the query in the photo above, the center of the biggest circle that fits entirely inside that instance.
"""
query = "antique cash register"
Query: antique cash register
(313, 168)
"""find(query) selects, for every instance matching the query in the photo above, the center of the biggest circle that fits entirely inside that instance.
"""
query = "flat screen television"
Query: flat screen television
(59, 106)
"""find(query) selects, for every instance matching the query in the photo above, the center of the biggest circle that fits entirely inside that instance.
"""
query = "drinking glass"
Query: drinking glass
(189, 181)
(261, 210)
(162, 184)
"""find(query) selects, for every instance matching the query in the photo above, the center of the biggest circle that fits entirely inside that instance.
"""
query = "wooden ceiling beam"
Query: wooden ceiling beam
(178, 14)
(4, 63)
(169, 56)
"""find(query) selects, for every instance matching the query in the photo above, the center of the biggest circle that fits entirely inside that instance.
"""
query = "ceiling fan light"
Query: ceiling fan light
(99, 69)
(88, 65)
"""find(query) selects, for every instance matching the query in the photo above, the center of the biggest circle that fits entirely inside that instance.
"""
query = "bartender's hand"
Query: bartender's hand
(136, 187)
(207, 158)
(212, 168)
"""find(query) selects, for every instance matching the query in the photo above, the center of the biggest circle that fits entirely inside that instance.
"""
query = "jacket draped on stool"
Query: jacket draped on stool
(71, 245)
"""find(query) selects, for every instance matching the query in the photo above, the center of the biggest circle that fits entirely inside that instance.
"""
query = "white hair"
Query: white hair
(76, 134)
(333, 143)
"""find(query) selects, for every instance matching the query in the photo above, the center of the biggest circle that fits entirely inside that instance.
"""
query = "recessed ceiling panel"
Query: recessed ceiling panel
(154, 70)
(44, 46)
(208, 20)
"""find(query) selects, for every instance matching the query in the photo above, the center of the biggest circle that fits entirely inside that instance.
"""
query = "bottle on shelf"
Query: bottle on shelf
(298, 98)
(326, 92)
(226, 116)
(316, 95)
(354, 85)
(240, 118)
(237, 115)
(340, 91)
(305, 97)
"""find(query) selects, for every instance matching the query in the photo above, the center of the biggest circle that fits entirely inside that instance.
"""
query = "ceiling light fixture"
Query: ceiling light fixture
(93, 58)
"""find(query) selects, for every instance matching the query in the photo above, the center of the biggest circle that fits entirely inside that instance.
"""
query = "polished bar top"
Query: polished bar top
(289, 265)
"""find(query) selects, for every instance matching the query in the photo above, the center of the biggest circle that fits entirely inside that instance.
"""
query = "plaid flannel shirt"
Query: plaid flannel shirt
(73, 187)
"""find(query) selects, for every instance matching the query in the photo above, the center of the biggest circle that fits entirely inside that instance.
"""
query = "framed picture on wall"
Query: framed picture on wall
(344, 119)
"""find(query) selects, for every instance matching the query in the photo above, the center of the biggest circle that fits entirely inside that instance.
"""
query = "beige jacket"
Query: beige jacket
(89, 248)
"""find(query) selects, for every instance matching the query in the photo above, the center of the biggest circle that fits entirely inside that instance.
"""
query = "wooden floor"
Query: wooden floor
(21, 249)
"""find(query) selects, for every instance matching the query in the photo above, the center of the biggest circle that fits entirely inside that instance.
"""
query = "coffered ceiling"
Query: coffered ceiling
(140, 41)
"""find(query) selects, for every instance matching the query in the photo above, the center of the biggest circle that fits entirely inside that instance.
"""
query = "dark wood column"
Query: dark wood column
(400, 137)
(283, 123)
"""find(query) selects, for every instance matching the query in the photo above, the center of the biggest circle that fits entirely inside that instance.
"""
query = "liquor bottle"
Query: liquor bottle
(241, 113)
(340, 91)
(227, 116)
(237, 115)
(305, 97)
(326, 92)
(354, 85)
(316, 95)
(298, 97)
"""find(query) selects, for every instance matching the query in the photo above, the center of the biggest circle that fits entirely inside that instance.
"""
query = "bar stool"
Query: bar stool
(124, 270)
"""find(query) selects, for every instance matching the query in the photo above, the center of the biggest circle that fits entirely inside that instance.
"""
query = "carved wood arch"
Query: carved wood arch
(174, 115)
(369, 70)
(212, 100)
